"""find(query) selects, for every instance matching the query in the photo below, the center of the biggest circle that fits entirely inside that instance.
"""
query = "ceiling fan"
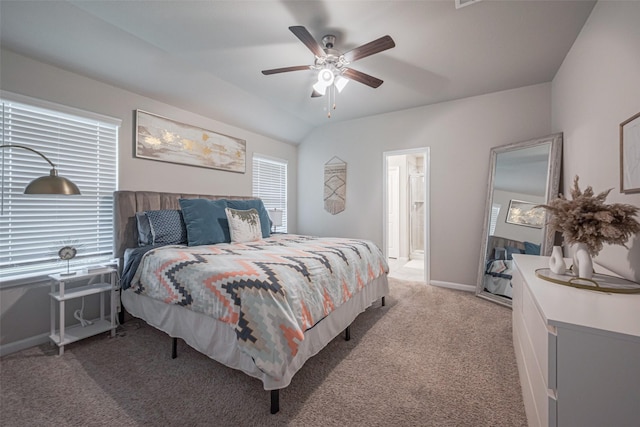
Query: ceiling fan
(332, 66)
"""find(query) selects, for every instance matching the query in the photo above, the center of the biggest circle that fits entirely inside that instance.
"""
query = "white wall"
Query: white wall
(597, 88)
(460, 134)
(25, 310)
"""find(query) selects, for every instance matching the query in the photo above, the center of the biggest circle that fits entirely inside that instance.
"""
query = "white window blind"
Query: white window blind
(270, 184)
(495, 211)
(34, 227)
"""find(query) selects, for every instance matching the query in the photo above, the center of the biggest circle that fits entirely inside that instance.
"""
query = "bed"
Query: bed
(263, 307)
(499, 265)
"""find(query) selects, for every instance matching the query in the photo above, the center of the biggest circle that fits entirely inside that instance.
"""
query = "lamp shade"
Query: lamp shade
(52, 184)
(276, 217)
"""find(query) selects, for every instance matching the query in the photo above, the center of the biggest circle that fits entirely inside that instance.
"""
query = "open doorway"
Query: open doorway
(406, 213)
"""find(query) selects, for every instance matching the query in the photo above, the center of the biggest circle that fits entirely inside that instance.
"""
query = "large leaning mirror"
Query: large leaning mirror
(521, 176)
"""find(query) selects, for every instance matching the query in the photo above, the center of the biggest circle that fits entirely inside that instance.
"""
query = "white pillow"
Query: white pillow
(244, 226)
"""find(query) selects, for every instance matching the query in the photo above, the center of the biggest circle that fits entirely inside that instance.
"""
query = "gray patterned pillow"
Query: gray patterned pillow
(244, 225)
(167, 227)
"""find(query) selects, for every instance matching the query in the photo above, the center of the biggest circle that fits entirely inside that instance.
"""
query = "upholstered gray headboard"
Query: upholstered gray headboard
(501, 242)
(127, 203)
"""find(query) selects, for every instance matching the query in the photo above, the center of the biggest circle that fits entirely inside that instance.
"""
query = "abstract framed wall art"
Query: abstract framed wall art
(525, 213)
(165, 140)
(630, 155)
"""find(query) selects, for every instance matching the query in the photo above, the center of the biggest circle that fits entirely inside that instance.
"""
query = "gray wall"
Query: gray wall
(24, 318)
(460, 134)
(596, 89)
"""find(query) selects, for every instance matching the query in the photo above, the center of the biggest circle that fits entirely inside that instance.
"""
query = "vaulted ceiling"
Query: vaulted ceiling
(207, 56)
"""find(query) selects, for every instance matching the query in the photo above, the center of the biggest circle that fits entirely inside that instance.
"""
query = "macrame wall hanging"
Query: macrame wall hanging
(335, 185)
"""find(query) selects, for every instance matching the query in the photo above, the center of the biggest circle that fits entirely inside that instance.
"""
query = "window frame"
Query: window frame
(98, 188)
(268, 199)
(495, 214)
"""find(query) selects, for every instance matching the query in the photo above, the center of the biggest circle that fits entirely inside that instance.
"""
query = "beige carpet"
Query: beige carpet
(430, 357)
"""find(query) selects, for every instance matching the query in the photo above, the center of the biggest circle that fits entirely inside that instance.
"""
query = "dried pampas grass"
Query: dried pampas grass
(587, 219)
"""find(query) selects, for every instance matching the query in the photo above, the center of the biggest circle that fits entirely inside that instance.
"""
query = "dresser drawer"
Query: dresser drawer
(540, 403)
(518, 285)
(577, 352)
(542, 338)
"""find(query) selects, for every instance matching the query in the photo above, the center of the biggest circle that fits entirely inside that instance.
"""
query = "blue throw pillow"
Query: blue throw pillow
(167, 227)
(531, 248)
(245, 205)
(206, 221)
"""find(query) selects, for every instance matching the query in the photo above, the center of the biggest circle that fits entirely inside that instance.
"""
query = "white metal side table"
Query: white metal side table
(106, 284)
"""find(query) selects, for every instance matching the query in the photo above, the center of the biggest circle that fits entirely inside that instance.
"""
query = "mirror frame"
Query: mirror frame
(554, 169)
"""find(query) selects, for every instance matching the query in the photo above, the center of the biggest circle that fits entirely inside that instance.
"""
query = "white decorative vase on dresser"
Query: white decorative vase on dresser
(582, 262)
(578, 351)
(556, 261)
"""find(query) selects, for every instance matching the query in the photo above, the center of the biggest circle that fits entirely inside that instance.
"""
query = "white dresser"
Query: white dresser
(578, 351)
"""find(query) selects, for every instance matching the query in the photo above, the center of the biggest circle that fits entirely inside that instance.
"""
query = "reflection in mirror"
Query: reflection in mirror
(522, 175)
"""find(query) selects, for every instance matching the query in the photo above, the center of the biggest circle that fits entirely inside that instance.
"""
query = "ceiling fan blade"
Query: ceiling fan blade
(361, 77)
(286, 69)
(308, 40)
(316, 94)
(383, 43)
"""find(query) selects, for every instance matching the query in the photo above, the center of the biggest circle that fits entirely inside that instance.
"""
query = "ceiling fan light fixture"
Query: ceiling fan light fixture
(326, 77)
(331, 64)
(320, 87)
(340, 83)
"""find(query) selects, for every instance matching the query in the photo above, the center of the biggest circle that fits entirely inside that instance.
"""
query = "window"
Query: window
(270, 184)
(83, 146)
(495, 211)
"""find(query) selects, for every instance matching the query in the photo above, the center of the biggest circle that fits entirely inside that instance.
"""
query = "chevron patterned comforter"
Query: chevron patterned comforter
(270, 291)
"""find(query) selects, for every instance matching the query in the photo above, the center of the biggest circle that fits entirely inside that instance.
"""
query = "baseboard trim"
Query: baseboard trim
(16, 346)
(451, 285)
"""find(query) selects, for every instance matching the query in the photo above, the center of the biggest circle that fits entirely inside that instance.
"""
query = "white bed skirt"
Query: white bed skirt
(218, 340)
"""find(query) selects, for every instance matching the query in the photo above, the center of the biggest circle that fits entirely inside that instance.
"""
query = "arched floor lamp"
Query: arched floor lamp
(48, 184)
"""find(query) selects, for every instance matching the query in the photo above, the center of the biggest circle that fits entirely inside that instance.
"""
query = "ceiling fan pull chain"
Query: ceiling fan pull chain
(333, 91)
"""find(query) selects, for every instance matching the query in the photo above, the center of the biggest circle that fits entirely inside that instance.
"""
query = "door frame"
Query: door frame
(426, 151)
(394, 235)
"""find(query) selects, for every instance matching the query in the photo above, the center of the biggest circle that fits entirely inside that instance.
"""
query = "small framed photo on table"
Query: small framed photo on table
(630, 155)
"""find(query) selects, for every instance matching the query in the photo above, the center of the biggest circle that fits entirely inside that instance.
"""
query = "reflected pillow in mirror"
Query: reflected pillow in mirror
(511, 250)
(531, 248)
